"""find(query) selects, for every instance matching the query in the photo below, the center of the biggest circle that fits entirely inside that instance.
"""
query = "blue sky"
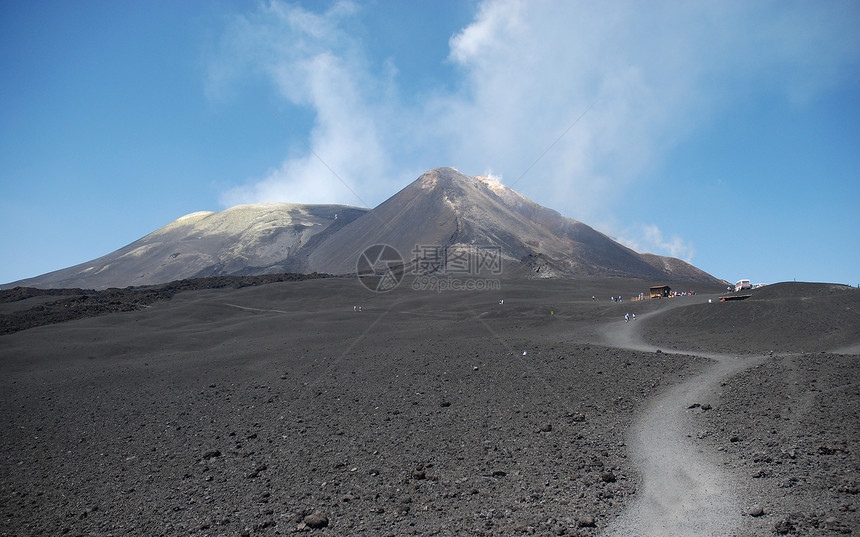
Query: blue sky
(723, 133)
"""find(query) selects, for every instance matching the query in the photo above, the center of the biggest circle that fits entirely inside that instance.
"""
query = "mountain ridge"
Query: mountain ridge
(443, 210)
(245, 239)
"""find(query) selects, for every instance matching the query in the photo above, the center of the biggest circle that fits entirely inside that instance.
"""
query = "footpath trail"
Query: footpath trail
(684, 491)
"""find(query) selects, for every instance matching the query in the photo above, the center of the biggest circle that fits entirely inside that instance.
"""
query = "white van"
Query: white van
(742, 284)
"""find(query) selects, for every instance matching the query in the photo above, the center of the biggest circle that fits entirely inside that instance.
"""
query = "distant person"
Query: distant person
(626, 317)
(634, 316)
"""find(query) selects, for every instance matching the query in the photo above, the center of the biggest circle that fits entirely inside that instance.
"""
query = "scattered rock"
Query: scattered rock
(211, 454)
(831, 524)
(263, 525)
(849, 489)
(586, 521)
(756, 511)
(316, 521)
(546, 427)
(783, 526)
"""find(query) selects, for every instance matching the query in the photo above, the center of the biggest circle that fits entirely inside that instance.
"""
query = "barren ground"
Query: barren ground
(243, 411)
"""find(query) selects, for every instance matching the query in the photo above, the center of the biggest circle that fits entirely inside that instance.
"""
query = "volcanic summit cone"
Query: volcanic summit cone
(442, 211)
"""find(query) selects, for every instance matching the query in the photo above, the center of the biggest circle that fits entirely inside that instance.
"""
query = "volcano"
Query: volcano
(444, 214)
(247, 239)
(454, 212)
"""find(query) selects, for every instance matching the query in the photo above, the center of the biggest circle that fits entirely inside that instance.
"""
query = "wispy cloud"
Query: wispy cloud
(313, 63)
(649, 239)
(651, 72)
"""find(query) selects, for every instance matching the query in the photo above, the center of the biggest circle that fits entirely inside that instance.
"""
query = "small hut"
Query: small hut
(660, 291)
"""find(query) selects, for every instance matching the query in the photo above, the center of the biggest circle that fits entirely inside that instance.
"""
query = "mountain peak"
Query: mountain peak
(254, 238)
(442, 210)
(457, 186)
(446, 210)
(440, 177)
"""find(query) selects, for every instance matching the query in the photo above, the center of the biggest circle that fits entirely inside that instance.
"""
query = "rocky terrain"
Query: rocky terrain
(280, 408)
(27, 307)
(789, 428)
(788, 317)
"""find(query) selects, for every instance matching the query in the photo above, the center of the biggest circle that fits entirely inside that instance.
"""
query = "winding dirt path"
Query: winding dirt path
(684, 492)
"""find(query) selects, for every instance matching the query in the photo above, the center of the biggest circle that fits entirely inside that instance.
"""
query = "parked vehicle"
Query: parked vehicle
(742, 284)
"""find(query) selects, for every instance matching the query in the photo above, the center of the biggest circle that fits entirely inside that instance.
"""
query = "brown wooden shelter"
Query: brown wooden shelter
(660, 291)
